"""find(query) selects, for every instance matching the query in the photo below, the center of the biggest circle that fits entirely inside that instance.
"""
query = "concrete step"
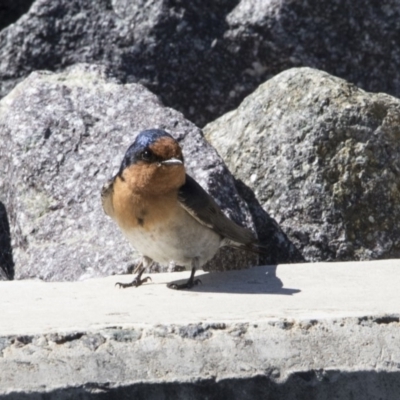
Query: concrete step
(299, 331)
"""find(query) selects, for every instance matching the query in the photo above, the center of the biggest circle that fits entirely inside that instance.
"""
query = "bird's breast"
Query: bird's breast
(159, 228)
(135, 212)
(172, 235)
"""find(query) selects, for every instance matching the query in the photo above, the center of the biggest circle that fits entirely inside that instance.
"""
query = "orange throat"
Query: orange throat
(146, 195)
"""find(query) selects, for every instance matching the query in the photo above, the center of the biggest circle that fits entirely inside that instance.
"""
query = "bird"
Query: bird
(164, 213)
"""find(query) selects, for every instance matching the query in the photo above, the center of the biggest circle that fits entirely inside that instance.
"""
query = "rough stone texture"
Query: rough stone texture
(236, 361)
(63, 135)
(292, 332)
(322, 157)
(204, 57)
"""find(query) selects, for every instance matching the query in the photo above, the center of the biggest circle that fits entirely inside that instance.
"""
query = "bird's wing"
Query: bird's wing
(201, 206)
(106, 197)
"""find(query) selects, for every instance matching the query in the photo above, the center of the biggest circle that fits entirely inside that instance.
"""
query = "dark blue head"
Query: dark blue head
(148, 137)
(152, 146)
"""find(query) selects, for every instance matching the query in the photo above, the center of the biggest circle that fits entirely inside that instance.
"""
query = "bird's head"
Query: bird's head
(153, 163)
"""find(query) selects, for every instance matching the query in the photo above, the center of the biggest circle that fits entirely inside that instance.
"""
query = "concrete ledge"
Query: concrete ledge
(300, 331)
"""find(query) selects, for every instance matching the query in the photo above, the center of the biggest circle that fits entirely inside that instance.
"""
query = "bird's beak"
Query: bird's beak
(172, 161)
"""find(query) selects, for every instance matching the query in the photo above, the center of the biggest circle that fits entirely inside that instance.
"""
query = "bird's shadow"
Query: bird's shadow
(256, 280)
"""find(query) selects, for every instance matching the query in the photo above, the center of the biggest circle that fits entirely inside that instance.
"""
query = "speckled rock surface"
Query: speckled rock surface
(322, 157)
(63, 135)
(203, 58)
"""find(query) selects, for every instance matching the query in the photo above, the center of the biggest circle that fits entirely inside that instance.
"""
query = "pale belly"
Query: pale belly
(180, 239)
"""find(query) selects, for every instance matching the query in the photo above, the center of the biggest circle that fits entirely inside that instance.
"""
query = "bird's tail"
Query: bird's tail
(254, 247)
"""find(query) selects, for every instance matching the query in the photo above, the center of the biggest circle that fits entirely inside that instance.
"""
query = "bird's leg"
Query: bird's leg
(191, 282)
(144, 263)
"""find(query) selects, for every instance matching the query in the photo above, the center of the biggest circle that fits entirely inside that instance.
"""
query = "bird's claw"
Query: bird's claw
(188, 285)
(136, 283)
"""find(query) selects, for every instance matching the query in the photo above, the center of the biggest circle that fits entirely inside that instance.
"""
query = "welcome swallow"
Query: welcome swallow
(164, 213)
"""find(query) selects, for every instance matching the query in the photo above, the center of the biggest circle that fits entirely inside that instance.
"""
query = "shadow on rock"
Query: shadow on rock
(12, 10)
(257, 280)
(6, 257)
(279, 248)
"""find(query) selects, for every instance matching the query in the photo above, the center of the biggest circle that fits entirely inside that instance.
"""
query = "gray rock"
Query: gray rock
(265, 361)
(63, 135)
(322, 157)
(203, 58)
(170, 48)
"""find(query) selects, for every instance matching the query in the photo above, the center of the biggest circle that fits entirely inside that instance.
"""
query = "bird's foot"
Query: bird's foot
(188, 285)
(136, 282)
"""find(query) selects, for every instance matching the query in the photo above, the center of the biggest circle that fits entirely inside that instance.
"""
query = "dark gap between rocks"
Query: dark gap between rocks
(12, 10)
(6, 255)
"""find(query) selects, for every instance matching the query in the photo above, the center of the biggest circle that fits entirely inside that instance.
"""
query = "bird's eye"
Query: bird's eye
(146, 155)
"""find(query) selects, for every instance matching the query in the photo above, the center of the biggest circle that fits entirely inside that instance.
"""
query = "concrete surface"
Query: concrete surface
(299, 331)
